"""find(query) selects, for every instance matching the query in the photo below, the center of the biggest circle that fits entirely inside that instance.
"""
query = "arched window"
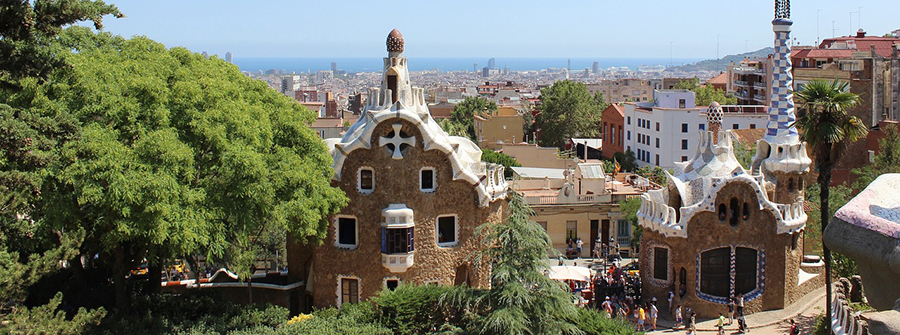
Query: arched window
(734, 211)
(715, 272)
(746, 213)
(682, 282)
(723, 212)
(790, 184)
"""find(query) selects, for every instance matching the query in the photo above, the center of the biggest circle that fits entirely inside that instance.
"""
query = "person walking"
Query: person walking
(721, 324)
(578, 245)
(670, 297)
(693, 327)
(641, 316)
(654, 313)
(678, 319)
(794, 329)
(740, 304)
(731, 311)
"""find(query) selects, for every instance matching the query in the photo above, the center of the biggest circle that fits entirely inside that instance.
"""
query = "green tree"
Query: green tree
(491, 156)
(521, 300)
(744, 154)
(182, 155)
(33, 128)
(828, 128)
(567, 110)
(629, 208)
(705, 95)
(838, 196)
(627, 160)
(886, 161)
(464, 114)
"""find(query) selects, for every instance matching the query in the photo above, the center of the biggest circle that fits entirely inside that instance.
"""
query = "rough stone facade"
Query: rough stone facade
(398, 182)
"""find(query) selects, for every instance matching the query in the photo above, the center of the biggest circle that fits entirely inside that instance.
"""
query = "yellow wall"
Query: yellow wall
(507, 129)
(556, 217)
(531, 155)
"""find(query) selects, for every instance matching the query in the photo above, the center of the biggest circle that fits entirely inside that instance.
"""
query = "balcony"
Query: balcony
(740, 83)
(748, 70)
(760, 98)
(398, 263)
(581, 199)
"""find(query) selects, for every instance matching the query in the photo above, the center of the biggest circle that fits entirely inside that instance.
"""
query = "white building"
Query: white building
(668, 129)
(289, 84)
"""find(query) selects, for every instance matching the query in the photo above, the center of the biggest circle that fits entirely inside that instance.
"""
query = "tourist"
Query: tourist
(693, 324)
(654, 313)
(678, 319)
(731, 310)
(721, 324)
(670, 297)
(578, 245)
(740, 304)
(794, 329)
(641, 316)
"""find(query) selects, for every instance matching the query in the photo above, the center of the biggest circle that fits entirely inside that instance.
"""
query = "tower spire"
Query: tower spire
(780, 127)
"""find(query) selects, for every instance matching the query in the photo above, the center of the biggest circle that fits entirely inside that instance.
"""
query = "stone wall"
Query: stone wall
(778, 256)
(397, 182)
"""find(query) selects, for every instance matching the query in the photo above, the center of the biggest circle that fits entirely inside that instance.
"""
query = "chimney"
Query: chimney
(860, 33)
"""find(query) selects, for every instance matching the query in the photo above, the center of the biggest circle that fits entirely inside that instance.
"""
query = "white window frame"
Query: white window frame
(359, 179)
(455, 231)
(337, 232)
(340, 288)
(433, 180)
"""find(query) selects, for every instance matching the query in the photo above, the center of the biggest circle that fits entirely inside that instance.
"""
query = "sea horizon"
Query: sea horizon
(374, 64)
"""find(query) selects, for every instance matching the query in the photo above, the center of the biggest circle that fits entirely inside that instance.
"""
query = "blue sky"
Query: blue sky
(464, 28)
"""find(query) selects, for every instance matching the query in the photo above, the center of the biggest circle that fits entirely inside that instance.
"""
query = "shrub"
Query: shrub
(593, 322)
(412, 309)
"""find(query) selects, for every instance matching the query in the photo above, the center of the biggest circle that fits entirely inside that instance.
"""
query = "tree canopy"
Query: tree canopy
(568, 110)
(705, 95)
(886, 161)
(491, 156)
(464, 114)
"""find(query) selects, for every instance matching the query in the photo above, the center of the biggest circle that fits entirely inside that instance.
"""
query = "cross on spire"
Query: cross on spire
(397, 141)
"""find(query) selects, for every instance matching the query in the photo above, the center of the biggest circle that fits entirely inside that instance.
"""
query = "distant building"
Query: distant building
(331, 106)
(491, 64)
(669, 130)
(750, 81)
(595, 68)
(229, 57)
(486, 72)
(622, 90)
(719, 82)
(613, 124)
(289, 84)
(306, 94)
(204, 54)
(334, 67)
(356, 102)
(503, 126)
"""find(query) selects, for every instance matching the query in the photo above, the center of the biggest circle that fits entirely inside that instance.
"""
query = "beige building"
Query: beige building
(416, 197)
(622, 90)
(503, 126)
(578, 203)
(532, 155)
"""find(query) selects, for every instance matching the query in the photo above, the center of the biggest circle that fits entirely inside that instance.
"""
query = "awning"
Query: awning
(565, 272)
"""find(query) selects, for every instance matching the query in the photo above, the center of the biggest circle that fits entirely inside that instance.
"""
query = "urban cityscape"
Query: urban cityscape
(159, 188)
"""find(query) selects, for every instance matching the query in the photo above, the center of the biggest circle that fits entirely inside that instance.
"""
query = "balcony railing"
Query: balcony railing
(740, 83)
(397, 262)
(745, 108)
(581, 199)
(744, 69)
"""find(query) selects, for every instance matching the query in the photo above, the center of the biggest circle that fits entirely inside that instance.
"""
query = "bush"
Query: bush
(593, 322)
(822, 325)
(194, 313)
(412, 309)
(350, 319)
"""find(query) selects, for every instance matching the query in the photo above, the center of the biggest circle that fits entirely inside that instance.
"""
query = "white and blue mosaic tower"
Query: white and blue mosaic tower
(780, 156)
(781, 110)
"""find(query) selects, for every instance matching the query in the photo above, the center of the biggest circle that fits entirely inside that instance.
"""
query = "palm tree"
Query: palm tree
(828, 128)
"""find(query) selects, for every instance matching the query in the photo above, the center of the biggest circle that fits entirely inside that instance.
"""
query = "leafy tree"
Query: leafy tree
(453, 128)
(629, 208)
(838, 196)
(183, 155)
(828, 128)
(33, 128)
(627, 160)
(464, 114)
(521, 300)
(705, 95)
(568, 110)
(744, 154)
(491, 156)
(412, 309)
(886, 161)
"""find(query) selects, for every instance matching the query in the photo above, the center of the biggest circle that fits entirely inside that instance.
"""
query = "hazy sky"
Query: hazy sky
(481, 28)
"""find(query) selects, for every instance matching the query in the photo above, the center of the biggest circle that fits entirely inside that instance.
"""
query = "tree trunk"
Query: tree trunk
(824, 181)
(154, 280)
(250, 290)
(119, 279)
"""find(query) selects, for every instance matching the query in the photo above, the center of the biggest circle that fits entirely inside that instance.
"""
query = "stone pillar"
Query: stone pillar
(781, 108)
(856, 289)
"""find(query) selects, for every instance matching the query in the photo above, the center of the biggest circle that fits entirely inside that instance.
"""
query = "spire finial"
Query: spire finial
(395, 41)
(782, 9)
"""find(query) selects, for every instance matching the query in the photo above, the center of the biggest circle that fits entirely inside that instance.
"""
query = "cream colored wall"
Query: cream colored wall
(556, 224)
(499, 128)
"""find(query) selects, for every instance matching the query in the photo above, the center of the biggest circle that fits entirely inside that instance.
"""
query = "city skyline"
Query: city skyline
(496, 29)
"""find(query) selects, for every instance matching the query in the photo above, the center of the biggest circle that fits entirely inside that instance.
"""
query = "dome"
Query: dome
(714, 113)
(395, 41)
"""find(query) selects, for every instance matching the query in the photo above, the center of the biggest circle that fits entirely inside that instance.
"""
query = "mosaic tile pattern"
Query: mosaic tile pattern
(781, 110)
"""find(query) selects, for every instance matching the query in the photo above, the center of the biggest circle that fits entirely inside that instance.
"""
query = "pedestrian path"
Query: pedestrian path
(803, 311)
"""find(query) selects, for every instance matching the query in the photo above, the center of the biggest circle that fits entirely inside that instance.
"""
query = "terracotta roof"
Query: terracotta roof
(822, 53)
(721, 79)
(748, 137)
(328, 123)
(882, 44)
(617, 108)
